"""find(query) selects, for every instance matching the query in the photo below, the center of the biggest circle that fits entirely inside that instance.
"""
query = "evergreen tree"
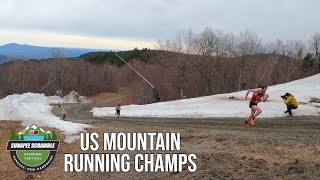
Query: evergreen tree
(308, 62)
(13, 135)
(110, 57)
(54, 136)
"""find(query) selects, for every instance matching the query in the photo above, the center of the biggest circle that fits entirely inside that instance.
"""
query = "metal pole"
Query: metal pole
(135, 71)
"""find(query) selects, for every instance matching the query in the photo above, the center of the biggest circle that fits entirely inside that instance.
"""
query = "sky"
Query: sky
(126, 24)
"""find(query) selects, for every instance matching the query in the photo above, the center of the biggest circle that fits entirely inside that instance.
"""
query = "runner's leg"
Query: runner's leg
(257, 111)
(252, 113)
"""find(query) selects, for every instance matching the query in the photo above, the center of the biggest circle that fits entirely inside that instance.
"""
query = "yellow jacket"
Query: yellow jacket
(291, 100)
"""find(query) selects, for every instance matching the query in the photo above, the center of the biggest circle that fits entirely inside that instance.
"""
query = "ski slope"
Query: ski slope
(32, 108)
(221, 106)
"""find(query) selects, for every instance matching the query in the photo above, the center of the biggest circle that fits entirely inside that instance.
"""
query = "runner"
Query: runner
(258, 95)
(64, 114)
(118, 108)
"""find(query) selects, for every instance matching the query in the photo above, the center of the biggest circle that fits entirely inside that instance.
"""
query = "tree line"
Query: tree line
(176, 75)
(66, 75)
(189, 65)
(216, 43)
(110, 57)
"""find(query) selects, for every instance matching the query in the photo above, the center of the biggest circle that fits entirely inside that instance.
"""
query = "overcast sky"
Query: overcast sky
(125, 24)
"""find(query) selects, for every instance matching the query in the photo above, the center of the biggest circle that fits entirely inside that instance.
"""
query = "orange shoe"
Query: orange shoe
(252, 121)
(246, 124)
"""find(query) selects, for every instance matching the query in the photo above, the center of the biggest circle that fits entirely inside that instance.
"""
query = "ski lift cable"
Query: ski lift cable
(48, 84)
(135, 71)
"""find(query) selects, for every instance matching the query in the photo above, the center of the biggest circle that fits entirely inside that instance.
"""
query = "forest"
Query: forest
(186, 66)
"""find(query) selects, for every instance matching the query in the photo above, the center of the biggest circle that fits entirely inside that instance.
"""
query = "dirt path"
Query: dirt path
(82, 111)
(297, 127)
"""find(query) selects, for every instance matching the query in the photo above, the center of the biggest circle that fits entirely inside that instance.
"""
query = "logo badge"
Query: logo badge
(33, 149)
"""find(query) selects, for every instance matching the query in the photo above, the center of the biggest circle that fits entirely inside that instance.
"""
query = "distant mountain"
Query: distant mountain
(38, 52)
(3, 59)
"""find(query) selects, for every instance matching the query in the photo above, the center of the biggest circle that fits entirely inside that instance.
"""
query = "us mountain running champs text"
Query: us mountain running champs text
(123, 152)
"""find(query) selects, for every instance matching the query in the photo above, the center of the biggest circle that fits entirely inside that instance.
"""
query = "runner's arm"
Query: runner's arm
(250, 90)
(265, 97)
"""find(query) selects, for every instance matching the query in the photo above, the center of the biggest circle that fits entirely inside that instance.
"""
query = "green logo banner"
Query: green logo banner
(33, 149)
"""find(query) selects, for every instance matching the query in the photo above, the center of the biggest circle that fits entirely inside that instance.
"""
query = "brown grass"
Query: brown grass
(220, 154)
(314, 100)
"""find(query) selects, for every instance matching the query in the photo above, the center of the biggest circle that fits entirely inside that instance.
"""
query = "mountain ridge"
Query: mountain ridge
(25, 51)
(3, 59)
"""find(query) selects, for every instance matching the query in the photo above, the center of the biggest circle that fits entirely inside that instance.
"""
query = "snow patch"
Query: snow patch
(74, 97)
(32, 108)
(223, 106)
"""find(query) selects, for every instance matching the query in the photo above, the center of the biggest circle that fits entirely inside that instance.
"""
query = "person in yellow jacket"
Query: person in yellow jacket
(291, 103)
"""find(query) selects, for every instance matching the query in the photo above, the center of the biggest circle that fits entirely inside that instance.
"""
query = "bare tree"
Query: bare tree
(290, 48)
(314, 44)
(247, 43)
(184, 43)
(229, 45)
(275, 47)
(299, 49)
(210, 42)
(293, 49)
(189, 40)
(57, 53)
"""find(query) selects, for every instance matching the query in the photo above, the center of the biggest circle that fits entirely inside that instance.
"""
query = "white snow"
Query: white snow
(221, 106)
(74, 97)
(32, 108)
